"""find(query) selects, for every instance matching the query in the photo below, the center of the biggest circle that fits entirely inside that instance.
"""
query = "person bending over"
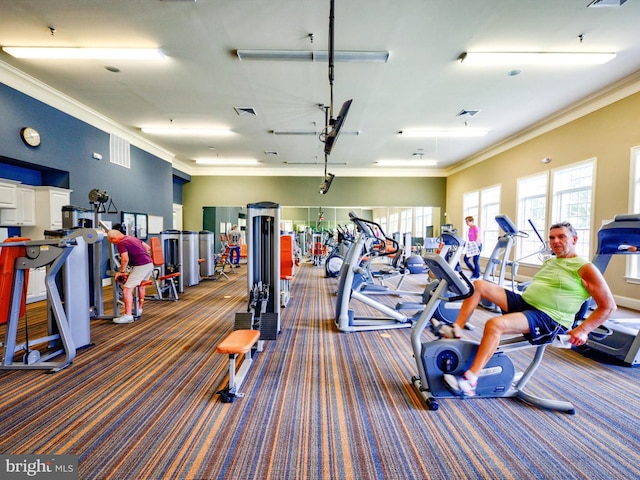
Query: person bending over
(136, 254)
(545, 309)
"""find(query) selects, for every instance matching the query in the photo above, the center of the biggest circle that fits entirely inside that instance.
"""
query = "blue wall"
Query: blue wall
(64, 159)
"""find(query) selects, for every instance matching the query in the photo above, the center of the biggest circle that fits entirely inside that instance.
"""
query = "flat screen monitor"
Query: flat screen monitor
(331, 137)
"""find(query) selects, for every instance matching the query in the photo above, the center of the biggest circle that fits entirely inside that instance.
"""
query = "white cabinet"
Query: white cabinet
(36, 290)
(49, 203)
(57, 199)
(25, 212)
(8, 193)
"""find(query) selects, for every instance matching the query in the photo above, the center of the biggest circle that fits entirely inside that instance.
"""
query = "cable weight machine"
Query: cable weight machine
(263, 271)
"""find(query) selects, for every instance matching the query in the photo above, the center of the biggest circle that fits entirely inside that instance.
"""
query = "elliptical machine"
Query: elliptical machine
(350, 288)
(334, 261)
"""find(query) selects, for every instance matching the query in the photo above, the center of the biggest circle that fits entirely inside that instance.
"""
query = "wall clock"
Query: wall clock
(30, 136)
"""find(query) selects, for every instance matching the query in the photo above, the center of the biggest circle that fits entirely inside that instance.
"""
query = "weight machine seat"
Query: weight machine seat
(287, 261)
(238, 341)
(8, 258)
(157, 257)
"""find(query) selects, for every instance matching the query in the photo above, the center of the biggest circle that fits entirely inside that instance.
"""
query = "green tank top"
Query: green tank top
(557, 289)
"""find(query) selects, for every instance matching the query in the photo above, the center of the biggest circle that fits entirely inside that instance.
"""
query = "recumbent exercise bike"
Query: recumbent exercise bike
(454, 356)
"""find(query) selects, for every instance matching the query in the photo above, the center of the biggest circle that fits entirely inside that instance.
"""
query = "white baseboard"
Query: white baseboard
(626, 302)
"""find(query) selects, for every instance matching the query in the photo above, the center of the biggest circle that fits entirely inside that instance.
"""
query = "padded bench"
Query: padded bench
(236, 343)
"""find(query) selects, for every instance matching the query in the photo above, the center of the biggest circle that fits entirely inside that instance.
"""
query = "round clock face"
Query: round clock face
(30, 136)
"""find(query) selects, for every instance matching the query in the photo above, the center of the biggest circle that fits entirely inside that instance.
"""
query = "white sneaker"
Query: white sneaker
(450, 331)
(461, 385)
(123, 319)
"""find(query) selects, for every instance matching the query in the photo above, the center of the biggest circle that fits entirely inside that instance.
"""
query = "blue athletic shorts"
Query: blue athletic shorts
(542, 328)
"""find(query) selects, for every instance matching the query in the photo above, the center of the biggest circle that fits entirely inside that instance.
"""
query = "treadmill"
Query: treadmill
(622, 339)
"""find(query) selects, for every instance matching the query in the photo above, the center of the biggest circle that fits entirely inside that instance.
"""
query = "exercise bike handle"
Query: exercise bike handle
(464, 295)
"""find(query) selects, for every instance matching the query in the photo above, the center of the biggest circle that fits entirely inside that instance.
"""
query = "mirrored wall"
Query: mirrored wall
(421, 222)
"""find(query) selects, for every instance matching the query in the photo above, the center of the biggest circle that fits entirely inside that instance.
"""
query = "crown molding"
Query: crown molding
(34, 88)
(619, 90)
(316, 170)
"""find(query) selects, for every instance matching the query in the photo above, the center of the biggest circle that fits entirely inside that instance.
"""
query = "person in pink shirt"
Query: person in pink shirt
(474, 247)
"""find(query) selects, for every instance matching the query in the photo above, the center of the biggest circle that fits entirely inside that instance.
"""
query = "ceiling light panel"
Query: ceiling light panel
(310, 132)
(459, 133)
(535, 58)
(312, 56)
(48, 53)
(406, 163)
(315, 163)
(228, 162)
(204, 132)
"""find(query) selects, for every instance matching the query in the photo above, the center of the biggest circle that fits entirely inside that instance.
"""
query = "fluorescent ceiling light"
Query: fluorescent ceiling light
(315, 163)
(458, 133)
(204, 132)
(534, 58)
(406, 163)
(227, 162)
(294, 132)
(310, 132)
(312, 56)
(85, 53)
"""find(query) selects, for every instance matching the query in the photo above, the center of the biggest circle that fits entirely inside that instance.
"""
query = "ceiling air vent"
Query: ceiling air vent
(467, 113)
(606, 3)
(245, 111)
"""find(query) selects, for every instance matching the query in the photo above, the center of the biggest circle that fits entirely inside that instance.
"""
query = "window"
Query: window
(572, 198)
(470, 208)
(483, 206)
(423, 218)
(532, 207)
(413, 220)
(393, 224)
(406, 221)
(489, 208)
(382, 221)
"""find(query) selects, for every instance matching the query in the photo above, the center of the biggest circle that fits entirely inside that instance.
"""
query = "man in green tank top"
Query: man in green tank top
(545, 309)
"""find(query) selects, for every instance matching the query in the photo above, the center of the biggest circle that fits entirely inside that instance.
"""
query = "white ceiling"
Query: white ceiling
(201, 80)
